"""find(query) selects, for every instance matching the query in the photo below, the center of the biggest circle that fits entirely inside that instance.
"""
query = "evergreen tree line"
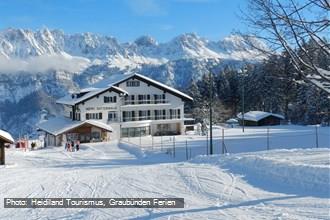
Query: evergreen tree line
(272, 86)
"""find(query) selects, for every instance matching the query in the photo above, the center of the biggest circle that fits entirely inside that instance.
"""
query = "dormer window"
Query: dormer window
(133, 83)
(110, 99)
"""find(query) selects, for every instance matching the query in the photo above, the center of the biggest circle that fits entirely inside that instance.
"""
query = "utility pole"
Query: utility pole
(316, 137)
(243, 101)
(210, 106)
(243, 97)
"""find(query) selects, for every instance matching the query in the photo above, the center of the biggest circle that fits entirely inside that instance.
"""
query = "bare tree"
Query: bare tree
(288, 25)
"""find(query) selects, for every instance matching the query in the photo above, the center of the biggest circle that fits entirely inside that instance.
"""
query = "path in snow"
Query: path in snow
(211, 188)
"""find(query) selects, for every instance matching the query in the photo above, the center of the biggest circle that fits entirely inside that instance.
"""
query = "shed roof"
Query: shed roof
(60, 125)
(257, 115)
(6, 137)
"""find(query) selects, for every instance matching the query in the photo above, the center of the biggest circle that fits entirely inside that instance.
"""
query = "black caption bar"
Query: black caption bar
(93, 203)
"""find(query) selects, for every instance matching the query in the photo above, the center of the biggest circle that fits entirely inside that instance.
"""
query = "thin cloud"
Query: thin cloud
(43, 64)
(146, 7)
(193, 1)
(166, 27)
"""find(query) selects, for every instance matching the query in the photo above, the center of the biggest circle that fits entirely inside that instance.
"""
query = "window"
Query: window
(129, 116)
(135, 132)
(110, 99)
(174, 113)
(163, 101)
(140, 97)
(163, 128)
(93, 116)
(144, 99)
(77, 116)
(158, 114)
(159, 98)
(133, 83)
(143, 115)
(112, 116)
(96, 136)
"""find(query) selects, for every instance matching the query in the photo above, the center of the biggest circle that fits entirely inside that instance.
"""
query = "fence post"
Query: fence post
(152, 141)
(267, 138)
(174, 146)
(161, 143)
(186, 149)
(316, 137)
(207, 143)
(140, 138)
(223, 141)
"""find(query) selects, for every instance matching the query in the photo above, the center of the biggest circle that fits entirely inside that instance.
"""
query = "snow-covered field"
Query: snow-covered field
(274, 184)
(252, 140)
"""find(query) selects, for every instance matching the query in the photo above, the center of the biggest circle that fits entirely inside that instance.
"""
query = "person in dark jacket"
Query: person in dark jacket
(77, 145)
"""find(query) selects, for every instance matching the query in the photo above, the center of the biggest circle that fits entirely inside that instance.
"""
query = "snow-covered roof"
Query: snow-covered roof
(97, 88)
(109, 83)
(59, 125)
(257, 115)
(165, 86)
(5, 136)
(232, 120)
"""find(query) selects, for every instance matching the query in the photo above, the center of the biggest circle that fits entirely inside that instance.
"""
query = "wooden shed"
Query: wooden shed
(259, 118)
(5, 138)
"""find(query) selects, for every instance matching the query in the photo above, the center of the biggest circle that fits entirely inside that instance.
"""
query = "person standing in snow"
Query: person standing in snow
(72, 146)
(77, 145)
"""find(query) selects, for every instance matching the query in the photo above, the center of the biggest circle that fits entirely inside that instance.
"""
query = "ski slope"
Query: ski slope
(277, 184)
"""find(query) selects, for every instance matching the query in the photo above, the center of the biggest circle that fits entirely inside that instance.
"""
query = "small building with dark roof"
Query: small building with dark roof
(259, 118)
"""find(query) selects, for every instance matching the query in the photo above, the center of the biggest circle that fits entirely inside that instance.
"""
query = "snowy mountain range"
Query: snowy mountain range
(36, 67)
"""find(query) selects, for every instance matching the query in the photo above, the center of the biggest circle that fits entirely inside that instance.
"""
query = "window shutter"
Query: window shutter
(100, 115)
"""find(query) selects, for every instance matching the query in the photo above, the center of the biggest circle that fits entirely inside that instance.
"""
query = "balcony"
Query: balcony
(153, 117)
(145, 102)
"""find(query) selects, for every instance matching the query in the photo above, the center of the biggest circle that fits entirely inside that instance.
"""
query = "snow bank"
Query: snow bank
(132, 149)
(278, 173)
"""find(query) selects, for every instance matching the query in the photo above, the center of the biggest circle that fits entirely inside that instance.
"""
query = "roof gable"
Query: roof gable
(113, 83)
(68, 100)
(158, 85)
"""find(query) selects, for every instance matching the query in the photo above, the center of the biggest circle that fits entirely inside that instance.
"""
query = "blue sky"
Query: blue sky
(126, 19)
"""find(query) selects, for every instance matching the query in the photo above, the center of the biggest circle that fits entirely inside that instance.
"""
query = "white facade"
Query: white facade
(133, 106)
